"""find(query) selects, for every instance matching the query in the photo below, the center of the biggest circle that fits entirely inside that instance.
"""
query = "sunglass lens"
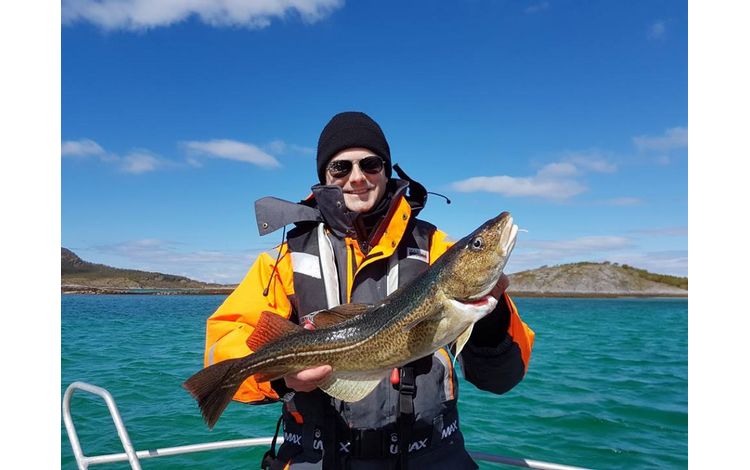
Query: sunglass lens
(371, 165)
(339, 168)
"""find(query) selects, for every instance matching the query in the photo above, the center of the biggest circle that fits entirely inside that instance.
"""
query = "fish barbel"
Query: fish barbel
(363, 343)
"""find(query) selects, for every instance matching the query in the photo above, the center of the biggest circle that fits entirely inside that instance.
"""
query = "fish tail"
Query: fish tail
(213, 388)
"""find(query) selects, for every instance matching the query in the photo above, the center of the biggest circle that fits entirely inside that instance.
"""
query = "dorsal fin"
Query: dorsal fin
(270, 327)
(338, 314)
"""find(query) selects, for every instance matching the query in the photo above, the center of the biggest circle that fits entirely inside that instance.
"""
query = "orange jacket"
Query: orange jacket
(229, 327)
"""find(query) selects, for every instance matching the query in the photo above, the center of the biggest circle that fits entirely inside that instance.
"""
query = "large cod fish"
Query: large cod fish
(363, 343)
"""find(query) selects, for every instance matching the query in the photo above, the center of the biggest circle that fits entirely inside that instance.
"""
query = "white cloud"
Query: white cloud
(167, 257)
(531, 254)
(232, 150)
(673, 262)
(664, 231)
(556, 170)
(279, 147)
(81, 148)
(144, 14)
(514, 187)
(140, 161)
(674, 138)
(536, 7)
(657, 30)
(194, 162)
(135, 162)
(581, 244)
(554, 181)
(591, 161)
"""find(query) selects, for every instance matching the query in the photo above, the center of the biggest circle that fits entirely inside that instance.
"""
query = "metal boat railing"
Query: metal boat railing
(133, 456)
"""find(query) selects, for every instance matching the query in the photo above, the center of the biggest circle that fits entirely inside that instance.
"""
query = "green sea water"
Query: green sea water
(606, 387)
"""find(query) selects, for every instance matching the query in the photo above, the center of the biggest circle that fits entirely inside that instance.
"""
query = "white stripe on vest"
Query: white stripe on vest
(305, 263)
(392, 282)
(328, 264)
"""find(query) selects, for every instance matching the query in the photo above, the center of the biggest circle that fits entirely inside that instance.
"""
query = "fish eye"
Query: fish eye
(476, 244)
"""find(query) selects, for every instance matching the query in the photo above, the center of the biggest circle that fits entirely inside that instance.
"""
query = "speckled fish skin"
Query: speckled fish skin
(416, 320)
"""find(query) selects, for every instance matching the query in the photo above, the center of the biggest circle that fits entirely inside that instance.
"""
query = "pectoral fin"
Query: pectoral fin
(423, 319)
(351, 387)
(461, 341)
(270, 327)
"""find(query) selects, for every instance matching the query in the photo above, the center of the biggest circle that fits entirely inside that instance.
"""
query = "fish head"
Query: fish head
(473, 265)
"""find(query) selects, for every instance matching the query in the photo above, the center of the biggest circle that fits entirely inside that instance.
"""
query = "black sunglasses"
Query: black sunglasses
(340, 168)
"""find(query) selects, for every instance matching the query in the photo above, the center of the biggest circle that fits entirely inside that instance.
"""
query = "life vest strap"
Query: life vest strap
(269, 457)
(407, 389)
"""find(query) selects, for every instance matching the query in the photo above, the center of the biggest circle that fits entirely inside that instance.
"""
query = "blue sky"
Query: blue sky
(571, 115)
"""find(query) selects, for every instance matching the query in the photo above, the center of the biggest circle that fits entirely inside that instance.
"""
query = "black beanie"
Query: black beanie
(348, 130)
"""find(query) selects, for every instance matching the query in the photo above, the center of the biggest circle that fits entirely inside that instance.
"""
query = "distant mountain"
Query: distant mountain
(595, 280)
(78, 275)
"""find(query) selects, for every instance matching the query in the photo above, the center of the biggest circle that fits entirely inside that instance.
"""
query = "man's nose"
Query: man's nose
(357, 174)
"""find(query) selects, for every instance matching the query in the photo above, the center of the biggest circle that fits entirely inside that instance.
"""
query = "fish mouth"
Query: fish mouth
(510, 242)
(478, 308)
(503, 251)
(480, 302)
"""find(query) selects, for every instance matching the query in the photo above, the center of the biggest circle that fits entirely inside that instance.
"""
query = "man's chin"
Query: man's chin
(358, 204)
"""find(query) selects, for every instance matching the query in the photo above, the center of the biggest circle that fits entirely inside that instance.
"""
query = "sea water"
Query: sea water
(606, 386)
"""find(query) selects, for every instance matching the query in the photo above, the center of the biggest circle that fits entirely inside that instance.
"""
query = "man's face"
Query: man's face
(362, 190)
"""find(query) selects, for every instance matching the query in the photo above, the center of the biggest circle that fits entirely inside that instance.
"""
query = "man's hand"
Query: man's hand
(490, 330)
(307, 380)
(500, 287)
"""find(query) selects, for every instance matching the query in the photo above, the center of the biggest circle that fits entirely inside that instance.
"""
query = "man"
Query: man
(356, 240)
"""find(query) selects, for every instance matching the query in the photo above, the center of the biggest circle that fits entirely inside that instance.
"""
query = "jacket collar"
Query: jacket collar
(326, 204)
(341, 220)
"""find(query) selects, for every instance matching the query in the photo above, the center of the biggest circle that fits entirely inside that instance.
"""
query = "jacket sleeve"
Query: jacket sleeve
(497, 363)
(497, 355)
(228, 328)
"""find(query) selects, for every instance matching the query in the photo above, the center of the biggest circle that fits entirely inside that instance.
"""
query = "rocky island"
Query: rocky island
(583, 279)
(587, 279)
(82, 277)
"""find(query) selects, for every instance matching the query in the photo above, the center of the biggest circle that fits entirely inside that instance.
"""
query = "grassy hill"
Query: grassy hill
(78, 275)
(596, 280)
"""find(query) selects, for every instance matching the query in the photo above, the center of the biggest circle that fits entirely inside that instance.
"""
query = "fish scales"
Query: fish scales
(378, 341)
(438, 307)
